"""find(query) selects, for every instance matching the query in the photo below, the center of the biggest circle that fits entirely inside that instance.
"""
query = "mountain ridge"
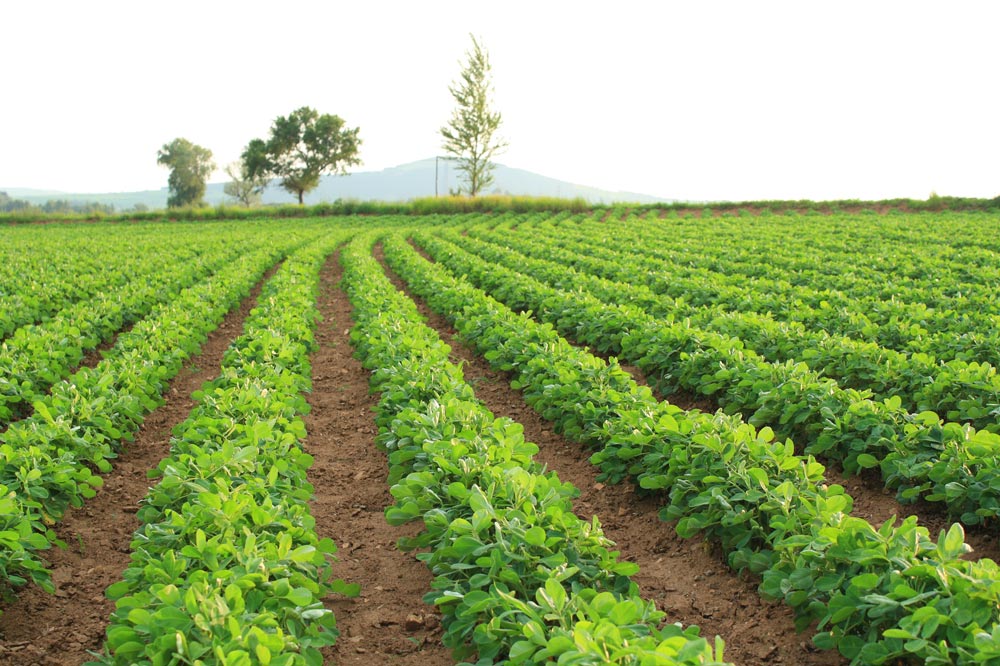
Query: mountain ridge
(399, 183)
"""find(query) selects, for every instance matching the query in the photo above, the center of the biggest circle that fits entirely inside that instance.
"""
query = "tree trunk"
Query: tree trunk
(301, 194)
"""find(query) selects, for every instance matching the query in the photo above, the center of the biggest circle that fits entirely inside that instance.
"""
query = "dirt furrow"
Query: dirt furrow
(388, 622)
(687, 578)
(41, 629)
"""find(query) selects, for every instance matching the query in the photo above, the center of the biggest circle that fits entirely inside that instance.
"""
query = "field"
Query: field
(621, 437)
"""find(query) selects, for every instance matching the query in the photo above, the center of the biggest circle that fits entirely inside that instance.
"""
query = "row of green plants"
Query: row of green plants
(39, 355)
(961, 391)
(913, 277)
(909, 327)
(912, 264)
(50, 460)
(883, 595)
(518, 578)
(43, 273)
(918, 454)
(227, 567)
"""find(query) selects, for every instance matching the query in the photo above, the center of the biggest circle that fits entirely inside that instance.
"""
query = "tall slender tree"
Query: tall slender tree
(190, 166)
(471, 134)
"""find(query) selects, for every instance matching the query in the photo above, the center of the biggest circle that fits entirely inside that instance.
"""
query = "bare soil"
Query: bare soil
(687, 578)
(41, 629)
(388, 622)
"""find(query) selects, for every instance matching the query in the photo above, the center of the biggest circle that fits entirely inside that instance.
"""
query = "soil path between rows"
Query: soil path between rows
(388, 623)
(41, 629)
(687, 578)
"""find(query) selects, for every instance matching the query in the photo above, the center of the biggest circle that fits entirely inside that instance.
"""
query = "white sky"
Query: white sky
(687, 100)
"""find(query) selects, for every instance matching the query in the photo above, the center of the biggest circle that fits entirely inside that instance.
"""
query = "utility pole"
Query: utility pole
(437, 159)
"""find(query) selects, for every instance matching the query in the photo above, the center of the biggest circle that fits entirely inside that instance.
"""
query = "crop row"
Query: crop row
(46, 270)
(47, 460)
(227, 567)
(959, 279)
(38, 355)
(959, 390)
(914, 327)
(518, 577)
(919, 454)
(878, 594)
(845, 268)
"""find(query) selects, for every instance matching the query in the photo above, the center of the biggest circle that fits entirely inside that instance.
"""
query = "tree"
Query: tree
(301, 148)
(470, 135)
(190, 166)
(242, 187)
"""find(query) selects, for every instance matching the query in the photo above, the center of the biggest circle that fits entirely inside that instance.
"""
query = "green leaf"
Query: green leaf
(867, 461)
(118, 590)
(535, 536)
(865, 582)
(300, 596)
(347, 589)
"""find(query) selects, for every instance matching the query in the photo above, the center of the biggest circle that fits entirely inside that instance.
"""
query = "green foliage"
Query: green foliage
(519, 578)
(51, 459)
(39, 355)
(303, 146)
(227, 567)
(190, 166)
(48, 459)
(707, 353)
(879, 595)
(470, 135)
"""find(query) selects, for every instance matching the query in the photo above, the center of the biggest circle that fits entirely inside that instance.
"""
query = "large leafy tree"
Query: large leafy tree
(190, 166)
(302, 147)
(471, 134)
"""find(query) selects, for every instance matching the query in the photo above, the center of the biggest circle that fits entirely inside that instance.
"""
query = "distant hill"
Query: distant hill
(401, 183)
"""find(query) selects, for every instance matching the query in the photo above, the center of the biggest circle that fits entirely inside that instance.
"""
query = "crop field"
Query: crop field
(627, 437)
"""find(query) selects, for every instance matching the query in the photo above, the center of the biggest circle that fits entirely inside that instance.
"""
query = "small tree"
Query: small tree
(470, 135)
(242, 187)
(301, 148)
(190, 166)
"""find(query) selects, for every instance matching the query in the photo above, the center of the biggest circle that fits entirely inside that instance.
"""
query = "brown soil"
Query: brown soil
(94, 356)
(388, 622)
(685, 577)
(40, 629)
(688, 401)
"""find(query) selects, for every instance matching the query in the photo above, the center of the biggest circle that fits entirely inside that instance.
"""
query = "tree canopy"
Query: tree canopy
(302, 147)
(470, 135)
(190, 166)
